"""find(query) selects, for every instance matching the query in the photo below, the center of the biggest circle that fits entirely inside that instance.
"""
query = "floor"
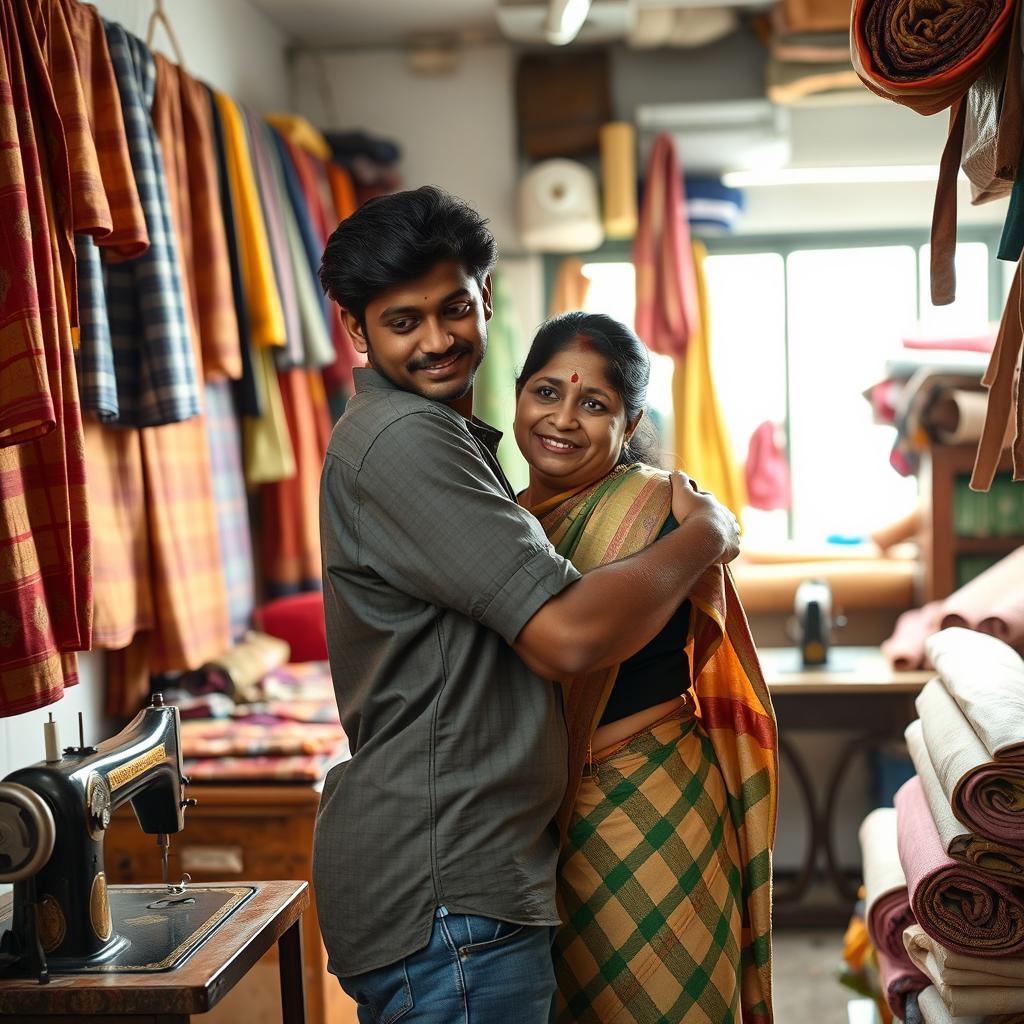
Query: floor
(807, 989)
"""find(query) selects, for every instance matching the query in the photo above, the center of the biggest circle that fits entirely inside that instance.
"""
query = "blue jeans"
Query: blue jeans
(474, 970)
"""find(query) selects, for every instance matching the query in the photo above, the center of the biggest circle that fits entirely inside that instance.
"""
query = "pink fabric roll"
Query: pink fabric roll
(899, 977)
(905, 648)
(993, 602)
(889, 916)
(961, 907)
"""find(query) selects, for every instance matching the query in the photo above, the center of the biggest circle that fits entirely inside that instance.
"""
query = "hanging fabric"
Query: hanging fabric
(667, 307)
(246, 392)
(45, 570)
(702, 444)
(570, 289)
(907, 61)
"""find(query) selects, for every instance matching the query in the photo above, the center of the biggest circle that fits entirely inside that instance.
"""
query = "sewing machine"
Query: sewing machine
(813, 622)
(53, 818)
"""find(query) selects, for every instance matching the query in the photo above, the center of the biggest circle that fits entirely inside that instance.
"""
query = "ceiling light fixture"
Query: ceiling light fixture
(565, 19)
(893, 174)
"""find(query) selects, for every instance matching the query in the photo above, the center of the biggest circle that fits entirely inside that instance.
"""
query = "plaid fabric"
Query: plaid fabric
(45, 571)
(650, 887)
(231, 503)
(181, 117)
(611, 519)
(189, 592)
(128, 236)
(120, 536)
(153, 355)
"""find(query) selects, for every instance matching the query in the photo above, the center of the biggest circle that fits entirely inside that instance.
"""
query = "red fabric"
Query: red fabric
(299, 620)
(767, 470)
(290, 535)
(667, 303)
(972, 343)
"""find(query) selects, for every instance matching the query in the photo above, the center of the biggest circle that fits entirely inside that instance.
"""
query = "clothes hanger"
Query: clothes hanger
(160, 15)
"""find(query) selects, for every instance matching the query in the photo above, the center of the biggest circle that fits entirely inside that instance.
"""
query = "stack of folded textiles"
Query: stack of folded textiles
(288, 731)
(959, 840)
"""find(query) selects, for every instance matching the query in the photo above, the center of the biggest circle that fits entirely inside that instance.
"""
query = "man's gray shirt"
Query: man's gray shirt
(459, 760)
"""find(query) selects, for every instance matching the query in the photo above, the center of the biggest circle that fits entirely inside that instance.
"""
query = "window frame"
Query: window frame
(621, 251)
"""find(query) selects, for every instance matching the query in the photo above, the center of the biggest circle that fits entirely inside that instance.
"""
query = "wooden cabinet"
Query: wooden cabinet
(959, 543)
(242, 833)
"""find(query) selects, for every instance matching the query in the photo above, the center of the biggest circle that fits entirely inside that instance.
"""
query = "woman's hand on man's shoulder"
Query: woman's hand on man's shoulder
(697, 506)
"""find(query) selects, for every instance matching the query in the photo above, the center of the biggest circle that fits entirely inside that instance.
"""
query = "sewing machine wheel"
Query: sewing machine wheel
(27, 832)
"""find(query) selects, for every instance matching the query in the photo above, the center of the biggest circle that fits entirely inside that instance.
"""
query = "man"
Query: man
(448, 612)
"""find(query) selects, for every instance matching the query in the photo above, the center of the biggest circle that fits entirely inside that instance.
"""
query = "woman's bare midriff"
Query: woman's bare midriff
(615, 732)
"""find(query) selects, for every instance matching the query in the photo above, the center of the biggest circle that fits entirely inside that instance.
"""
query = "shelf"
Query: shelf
(986, 545)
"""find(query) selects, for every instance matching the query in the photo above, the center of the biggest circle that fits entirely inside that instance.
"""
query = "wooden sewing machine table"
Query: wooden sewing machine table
(272, 914)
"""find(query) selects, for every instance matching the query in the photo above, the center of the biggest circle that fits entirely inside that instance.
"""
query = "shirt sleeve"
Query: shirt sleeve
(434, 521)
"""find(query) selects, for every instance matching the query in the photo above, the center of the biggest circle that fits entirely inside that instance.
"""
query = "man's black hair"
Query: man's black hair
(397, 238)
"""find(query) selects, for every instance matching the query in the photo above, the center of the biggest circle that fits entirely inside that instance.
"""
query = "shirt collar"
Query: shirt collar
(366, 378)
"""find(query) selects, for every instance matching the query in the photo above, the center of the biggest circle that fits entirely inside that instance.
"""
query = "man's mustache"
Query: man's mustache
(458, 349)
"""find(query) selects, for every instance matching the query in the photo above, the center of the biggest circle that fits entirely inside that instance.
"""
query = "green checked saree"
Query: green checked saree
(665, 874)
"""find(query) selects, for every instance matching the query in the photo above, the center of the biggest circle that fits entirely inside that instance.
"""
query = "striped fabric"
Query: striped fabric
(272, 200)
(45, 570)
(610, 519)
(650, 887)
(232, 506)
(155, 366)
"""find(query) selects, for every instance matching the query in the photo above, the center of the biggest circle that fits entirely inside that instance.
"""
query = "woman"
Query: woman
(664, 878)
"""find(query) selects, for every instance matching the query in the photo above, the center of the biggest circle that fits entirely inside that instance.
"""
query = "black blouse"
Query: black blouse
(657, 672)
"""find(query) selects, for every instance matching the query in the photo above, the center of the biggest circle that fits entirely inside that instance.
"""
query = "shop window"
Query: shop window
(798, 333)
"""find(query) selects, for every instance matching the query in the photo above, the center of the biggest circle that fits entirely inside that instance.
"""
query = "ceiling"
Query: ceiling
(333, 23)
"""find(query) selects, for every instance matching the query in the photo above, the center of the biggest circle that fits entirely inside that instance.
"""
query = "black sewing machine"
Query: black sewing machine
(53, 818)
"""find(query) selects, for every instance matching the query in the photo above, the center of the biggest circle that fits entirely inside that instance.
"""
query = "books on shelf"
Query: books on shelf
(996, 513)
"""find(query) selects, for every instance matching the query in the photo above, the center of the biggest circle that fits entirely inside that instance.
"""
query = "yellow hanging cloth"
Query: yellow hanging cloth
(702, 445)
(266, 318)
(298, 130)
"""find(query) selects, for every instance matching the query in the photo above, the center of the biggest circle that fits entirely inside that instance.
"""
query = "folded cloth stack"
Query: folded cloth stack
(966, 910)
(973, 725)
(962, 845)
(968, 985)
(933, 1010)
(289, 733)
(887, 908)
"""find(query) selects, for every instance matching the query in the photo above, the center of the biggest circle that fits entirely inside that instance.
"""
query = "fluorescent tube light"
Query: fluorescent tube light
(565, 19)
(831, 175)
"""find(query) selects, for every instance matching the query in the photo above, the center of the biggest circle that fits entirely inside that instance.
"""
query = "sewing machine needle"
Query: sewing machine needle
(163, 841)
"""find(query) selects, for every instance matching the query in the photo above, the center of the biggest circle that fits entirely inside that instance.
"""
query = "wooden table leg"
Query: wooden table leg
(293, 1003)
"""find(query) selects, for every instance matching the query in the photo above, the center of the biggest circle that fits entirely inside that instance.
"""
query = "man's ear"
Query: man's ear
(485, 292)
(355, 330)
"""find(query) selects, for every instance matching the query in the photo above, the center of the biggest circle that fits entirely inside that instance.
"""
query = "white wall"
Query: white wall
(456, 130)
(232, 46)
